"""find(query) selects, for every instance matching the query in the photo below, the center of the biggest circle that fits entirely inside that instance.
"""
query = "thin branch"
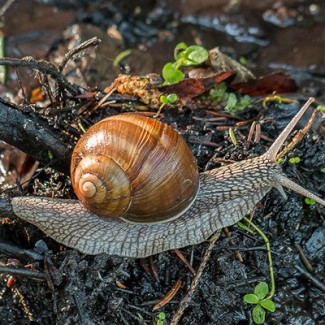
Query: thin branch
(23, 272)
(186, 300)
(91, 42)
(45, 67)
(30, 133)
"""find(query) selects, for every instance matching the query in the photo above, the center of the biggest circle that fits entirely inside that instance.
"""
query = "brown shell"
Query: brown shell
(134, 167)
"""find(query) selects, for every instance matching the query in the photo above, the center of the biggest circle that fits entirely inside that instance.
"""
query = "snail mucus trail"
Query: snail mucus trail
(224, 196)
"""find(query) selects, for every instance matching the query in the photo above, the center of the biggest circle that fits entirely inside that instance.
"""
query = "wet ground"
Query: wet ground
(271, 36)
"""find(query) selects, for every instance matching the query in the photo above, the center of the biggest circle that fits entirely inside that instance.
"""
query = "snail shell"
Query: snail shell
(136, 168)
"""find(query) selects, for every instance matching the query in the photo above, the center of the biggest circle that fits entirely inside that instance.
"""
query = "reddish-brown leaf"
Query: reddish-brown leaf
(278, 82)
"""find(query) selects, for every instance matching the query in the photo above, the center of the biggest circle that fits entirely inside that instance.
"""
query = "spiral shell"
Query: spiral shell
(136, 168)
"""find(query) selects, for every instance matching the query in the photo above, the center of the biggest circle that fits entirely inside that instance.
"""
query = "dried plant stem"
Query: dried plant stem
(189, 295)
(83, 46)
(298, 136)
(45, 67)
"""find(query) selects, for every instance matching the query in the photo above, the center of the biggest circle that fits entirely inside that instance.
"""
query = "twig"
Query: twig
(312, 278)
(30, 133)
(91, 42)
(19, 252)
(23, 272)
(184, 303)
(5, 7)
(43, 66)
(169, 296)
(298, 137)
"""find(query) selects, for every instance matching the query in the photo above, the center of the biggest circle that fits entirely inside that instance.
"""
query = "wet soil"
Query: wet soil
(79, 289)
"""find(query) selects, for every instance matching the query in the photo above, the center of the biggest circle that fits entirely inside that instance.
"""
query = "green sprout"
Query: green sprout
(294, 160)
(280, 161)
(171, 74)
(121, 56)
(262, 302)
(169, 99)
(309, 201)
(184, 56)
(161, 318)
(322, 170)
(321, 108)
(261, 296)
(234, 103)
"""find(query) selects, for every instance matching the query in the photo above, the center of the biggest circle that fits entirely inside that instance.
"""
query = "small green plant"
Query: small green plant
(322, 170)
(309, 201)
(261, 296)
(321, 108)
(280, 161)
(161, 318)
(234, 103)
(184, 56)
(294, 160)
(169, 99)
(262, 302)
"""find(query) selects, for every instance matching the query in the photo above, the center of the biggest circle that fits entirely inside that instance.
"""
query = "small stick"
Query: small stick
(232, 242)
(186, 300)
(169, 296)
(23, 272)
(299, 136)
(309, 276)
(181, 256)
(91, 42)
(43, 66)
(304, 258)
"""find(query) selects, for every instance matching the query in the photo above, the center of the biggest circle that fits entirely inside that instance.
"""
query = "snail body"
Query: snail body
(219, 198)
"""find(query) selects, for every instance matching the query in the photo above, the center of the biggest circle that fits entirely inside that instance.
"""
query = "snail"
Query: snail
(136, 221)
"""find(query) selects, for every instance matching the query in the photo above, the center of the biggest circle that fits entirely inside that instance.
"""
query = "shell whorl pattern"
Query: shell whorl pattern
(134, 167)
(102, 186)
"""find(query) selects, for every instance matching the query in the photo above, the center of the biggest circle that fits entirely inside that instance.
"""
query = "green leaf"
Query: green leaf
(322, 170)
(179, 48)
(160, 322)
(231, 102)
(194, 55)
(294, 160)
(244, 102)
(251, 299)
(261, 290)
(163, 99)
(243, 60)
(321, 108)
(309, 201)
(268, 304)
(258, 314)
(170, 74)
(172, 98)
(162, 316)
(218, 91)
(280, 161)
